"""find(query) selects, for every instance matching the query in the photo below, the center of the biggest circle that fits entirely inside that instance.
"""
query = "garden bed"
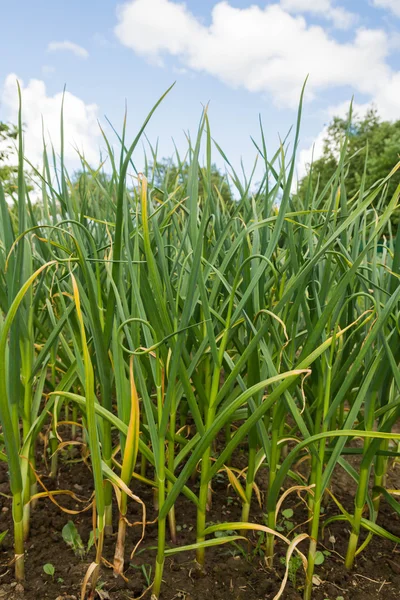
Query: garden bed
(232, 572)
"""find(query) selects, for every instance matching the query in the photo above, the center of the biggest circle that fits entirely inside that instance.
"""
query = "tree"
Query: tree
(88, 188)
(8, 172)
(167, 175)
(381, 138)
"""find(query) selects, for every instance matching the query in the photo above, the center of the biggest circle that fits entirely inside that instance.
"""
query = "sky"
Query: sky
(246, 60)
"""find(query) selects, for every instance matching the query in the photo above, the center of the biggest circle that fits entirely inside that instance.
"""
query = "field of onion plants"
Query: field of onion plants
(174, 340)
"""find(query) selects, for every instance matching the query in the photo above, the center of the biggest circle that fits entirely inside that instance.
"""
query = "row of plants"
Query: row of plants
(173, 325)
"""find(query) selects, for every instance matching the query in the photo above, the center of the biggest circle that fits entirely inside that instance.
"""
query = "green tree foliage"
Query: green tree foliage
(167, 175)
(87, 190)
(8, 173)
(369, 139)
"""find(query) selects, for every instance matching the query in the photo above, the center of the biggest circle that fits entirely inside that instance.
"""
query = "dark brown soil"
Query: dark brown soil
(232, 572)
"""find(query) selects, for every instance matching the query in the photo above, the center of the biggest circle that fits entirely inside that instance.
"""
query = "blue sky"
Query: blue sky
(244, 58)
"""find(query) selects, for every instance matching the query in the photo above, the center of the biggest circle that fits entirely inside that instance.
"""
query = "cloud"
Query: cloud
(386, 101)
(80, 121)
(315, 149)
(310, 154)
(261, 49)
(69, 47)
(392, 5)
(341, 18)
(387, 98)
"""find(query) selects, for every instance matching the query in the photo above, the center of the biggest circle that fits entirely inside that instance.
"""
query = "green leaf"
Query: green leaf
(49, 569)
(72, 538)
(287, 513)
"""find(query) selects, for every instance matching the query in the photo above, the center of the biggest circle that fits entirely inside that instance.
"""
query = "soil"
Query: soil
(231, 572)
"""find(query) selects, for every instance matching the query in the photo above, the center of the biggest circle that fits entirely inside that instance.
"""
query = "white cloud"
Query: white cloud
(80, 121)
(340, 17)
(308, 155)
(386, 101)
(260, 49)
(315, 150)
(387, 98)
(392, 5)
(68, 46)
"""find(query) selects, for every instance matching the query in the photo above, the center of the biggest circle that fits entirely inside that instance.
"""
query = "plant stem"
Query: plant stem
(249, 478)
(108, 491)
(99, 553)
(119, 554)
(18, 517)
(171, 458)
(315, 499)
(204, 476)
(271, 518)
(160, 559)
(362, 490)
(380, 473)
